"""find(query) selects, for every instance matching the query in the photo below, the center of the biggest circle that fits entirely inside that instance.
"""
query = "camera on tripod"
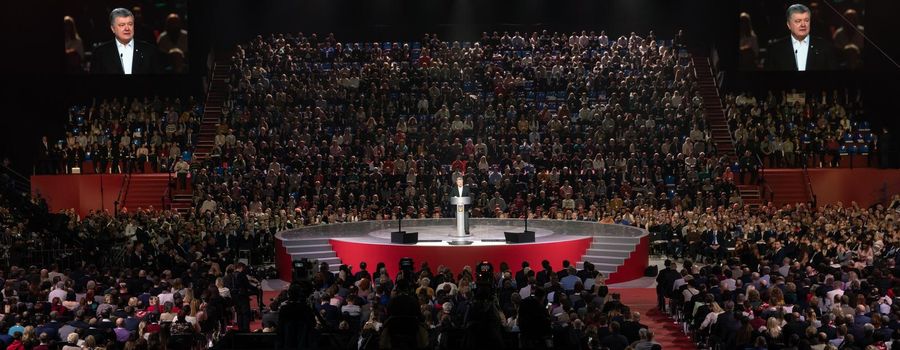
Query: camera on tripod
(301, 270)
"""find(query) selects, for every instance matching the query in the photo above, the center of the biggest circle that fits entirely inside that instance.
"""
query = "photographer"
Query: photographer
(296, 321)
(483, 319)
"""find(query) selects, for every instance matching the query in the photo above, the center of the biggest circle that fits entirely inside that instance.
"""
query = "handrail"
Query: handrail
(16, 173)
(120, 198)
(809, 188)
(170, 184)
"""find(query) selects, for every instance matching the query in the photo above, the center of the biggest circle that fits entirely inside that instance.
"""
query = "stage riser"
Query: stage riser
(610, 239)
(629, 247)
(308, 248)
(609, 253)
(620, 252)
(603, 260)
(305, 242)
(315, 255)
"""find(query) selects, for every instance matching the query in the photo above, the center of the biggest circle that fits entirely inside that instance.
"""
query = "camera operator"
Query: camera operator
(405, 326)
(296, 321)
(483, 320)
(241, 289)
(254, 277)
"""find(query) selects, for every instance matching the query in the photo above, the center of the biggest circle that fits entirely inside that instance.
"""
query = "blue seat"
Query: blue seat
(847, 138)
(864, 126)
(863, 150)
(843, 150)
(867, 137)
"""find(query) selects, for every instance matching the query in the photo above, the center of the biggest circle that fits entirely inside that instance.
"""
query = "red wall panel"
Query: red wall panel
(455, 257)
(80, 192)
(866, 186)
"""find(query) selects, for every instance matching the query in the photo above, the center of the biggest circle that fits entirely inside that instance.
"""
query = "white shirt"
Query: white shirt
(57, 293)
(126, 54)
(801, 49)
(460, 191)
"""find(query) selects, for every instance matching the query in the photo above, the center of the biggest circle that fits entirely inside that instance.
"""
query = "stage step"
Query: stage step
(331, 261)
(321, 254)
(608, 253)
(616, 239)
(606, 269)
(308, 248)
(603, 260)
(612, 246)
(318, 250)
(306, 241)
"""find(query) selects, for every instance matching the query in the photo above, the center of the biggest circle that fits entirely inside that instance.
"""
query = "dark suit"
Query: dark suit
(780, 55)
(106, 59)
(454, 192)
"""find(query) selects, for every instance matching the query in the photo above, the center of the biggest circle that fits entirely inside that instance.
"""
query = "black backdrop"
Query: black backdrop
(36, 91)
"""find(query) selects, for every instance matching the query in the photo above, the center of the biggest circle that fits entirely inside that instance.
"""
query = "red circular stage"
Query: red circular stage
(620, 252)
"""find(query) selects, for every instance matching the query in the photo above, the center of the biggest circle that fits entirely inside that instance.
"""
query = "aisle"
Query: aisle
(666, 332)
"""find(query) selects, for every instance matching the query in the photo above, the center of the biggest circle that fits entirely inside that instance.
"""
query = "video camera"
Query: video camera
(301, 269)
(484, 271)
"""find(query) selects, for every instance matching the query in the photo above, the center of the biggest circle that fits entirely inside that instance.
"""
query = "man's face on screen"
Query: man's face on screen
(799, 25)
(123, 28)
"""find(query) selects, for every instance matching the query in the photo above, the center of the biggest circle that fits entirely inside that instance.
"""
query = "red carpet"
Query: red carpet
(666, 332)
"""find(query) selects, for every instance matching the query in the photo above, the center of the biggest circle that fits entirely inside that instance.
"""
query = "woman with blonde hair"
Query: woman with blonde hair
(90, 343)
(712, 316)
(29, 339)
(223, 291)
(773, 332)
(71, 342)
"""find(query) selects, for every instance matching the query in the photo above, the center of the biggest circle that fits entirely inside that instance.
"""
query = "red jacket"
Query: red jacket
(16, 345)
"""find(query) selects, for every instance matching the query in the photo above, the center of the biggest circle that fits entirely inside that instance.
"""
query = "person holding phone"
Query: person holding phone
(124, 54)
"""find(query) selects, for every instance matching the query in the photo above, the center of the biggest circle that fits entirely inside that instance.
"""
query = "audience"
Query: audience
(572, 127)
(124, 136)
(796, 129)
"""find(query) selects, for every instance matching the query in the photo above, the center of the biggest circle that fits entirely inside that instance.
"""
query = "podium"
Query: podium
(460, 203)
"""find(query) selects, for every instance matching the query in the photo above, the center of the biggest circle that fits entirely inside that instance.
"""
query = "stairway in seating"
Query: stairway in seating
(609, 253)
(718, 125)
(212, 109)
(144, 191)
(712, 107)
(182, 203)
(313, 249)
(751, 195)
(788, 186)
